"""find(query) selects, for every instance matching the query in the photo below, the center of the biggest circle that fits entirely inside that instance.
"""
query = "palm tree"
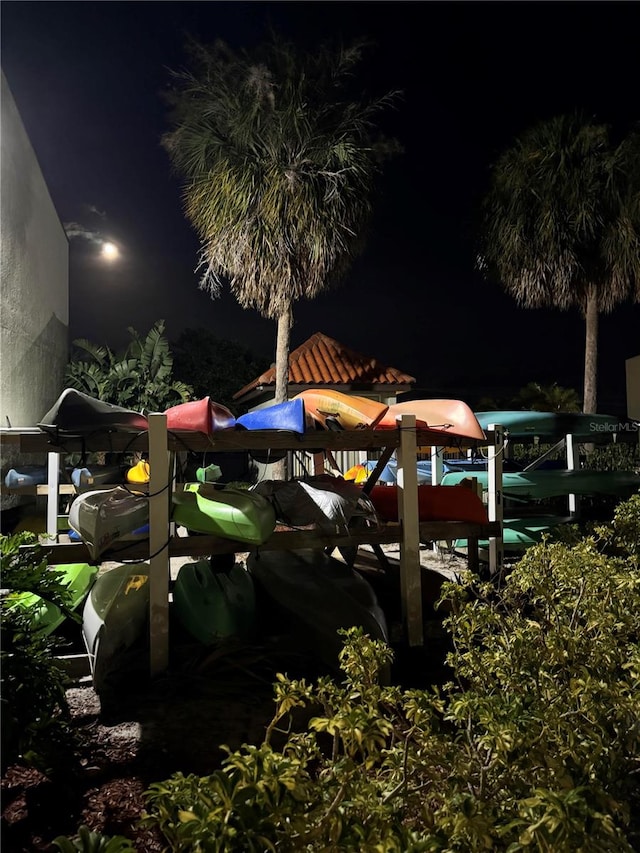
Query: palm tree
(561, 223)
(279, 163)
(548, 398)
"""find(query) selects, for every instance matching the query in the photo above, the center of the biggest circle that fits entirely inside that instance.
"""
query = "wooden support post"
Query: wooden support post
(573, 463)
(159, 569)
(410, 568)
(318, 463)
(437, 470)
(53, 476)
(496, 506)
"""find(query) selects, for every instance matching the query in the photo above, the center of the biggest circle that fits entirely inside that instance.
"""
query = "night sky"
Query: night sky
(87, 78)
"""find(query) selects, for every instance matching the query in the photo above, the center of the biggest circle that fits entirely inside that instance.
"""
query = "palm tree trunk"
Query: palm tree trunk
(591, 353)
(282, 355)
(285, 321)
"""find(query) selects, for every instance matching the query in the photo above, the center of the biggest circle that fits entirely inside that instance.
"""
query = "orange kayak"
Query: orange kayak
(333, 409)
(451, 417)
(435, 503)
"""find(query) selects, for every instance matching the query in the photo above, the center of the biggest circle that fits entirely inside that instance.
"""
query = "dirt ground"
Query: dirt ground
(178, 722)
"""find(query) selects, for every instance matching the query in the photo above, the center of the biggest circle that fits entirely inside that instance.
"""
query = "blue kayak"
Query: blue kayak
(290, 415)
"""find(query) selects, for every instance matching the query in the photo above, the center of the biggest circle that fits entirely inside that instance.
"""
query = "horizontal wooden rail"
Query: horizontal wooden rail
(282, 540)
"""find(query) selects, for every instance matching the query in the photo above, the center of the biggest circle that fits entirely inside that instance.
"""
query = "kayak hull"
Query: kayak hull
(46, 616)
(321, 595)
(27, 475)
(114, 619)
(214, 605)
(95, 475)
(435, 503)
(203, 415)
(332, 409)
(237, 514)
(102, 517)
(522, 533)
(290, 416)
(552, 425)
(444, 418)
(76, 413)
(550, 483)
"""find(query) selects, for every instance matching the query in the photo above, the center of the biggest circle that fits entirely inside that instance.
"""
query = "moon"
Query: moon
(110, 251)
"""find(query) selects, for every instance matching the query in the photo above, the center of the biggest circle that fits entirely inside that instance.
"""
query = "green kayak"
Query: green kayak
(214, 604)
(46, 617)
(237, 514)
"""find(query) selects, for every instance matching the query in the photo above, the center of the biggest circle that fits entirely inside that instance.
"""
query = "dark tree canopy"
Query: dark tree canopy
(215, 367)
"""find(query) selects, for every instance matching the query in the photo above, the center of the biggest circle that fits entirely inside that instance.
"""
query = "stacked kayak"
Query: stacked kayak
(337, 411)
(203, 415)
(320, 595)
(104, 516)
(238, 514)
(290, 416)
(435, 503)
(27, 475)
(521, 533)
(46, 616)
(523, 425)
(96, 475)
(76, 413)
(448, 420)
(139, 473)
(549, 483)
(211, 604)
(114, 619)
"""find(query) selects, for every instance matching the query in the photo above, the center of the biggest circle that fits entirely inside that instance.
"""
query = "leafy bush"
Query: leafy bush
(534, 745)
(141, 378)
(88, 841)
(34, 707)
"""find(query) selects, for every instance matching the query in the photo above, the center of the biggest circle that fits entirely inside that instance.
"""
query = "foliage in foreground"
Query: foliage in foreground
(535, 745)
(140, 378)
(88, 841)
(33, 702)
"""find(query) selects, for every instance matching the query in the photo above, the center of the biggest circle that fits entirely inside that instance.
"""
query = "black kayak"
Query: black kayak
(75, 414)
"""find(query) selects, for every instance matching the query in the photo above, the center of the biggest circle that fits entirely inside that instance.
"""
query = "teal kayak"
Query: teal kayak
(551, 425)
(549, 483)
(238, 514)
(213, 604)
(46, 616)
(521, 533)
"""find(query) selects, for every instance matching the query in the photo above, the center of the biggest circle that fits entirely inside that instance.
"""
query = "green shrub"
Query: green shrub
(34, 707)
(534, 745)
(88, 841)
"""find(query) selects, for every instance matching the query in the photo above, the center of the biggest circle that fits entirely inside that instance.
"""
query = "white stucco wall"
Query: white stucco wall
(34, 295)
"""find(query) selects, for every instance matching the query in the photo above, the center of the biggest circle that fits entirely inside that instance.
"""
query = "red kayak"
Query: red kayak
(200, 416)
(435, 503)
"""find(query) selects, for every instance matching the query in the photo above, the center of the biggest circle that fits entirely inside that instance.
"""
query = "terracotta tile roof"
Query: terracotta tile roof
(324, 361)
